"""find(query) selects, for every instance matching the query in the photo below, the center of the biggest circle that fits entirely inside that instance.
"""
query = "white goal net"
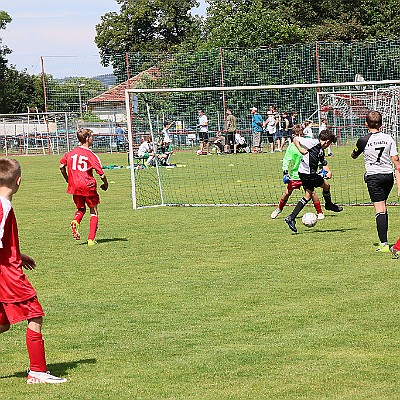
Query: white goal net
(247, 178)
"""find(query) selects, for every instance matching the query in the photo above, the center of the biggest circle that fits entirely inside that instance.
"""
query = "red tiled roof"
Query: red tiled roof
(117, 93)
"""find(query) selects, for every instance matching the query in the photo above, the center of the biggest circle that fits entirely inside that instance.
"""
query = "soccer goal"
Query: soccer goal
(246, 178)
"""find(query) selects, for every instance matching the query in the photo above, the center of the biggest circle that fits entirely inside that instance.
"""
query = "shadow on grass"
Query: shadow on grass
(331, 230)
(105, 241)
(59, 369)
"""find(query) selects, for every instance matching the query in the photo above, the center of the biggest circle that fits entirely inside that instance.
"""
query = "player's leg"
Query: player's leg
(282, 202)
(382, 225)
(326, 193)
(292, 185)
(35, 345)
(291, 218)
(93, 202)
(78, 216)
(317, 205)
(379, 187)
(37, 372)
(94, 222)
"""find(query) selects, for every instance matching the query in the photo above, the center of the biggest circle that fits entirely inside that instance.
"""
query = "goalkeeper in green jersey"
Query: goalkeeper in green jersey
(290, 165)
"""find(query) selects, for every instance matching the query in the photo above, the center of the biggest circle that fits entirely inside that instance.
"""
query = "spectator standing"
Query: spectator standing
(231, 122)
(120, 137)
(203, 132)
(257, 126)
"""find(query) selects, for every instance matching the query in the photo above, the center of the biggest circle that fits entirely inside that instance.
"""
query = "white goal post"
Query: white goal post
(246, 179)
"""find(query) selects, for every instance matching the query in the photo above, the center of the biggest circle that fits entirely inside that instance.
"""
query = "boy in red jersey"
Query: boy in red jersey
(80, 163)
(18, 300)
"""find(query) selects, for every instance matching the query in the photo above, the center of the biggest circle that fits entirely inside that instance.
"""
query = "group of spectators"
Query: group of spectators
(276, 129)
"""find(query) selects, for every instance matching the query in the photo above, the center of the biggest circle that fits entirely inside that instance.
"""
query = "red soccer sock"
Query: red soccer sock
(94, 221)
(78, 216)
(282, 203)
(35, 345)
(397, 245)
(318, 208)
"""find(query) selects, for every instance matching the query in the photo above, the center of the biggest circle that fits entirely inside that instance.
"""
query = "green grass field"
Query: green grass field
(204, 303)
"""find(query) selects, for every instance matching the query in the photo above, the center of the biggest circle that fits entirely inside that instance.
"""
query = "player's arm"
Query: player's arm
(301, 149)
(63, 170)
(28, 262)
(359, 148)
(396, 162)
(104, 185)
(328, 172)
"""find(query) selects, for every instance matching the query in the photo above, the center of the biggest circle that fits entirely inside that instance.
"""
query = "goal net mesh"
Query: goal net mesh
(248, 178)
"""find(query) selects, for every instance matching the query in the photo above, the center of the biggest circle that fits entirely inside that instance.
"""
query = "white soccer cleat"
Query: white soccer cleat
(275, 213)
(320, 216)
(42, 377)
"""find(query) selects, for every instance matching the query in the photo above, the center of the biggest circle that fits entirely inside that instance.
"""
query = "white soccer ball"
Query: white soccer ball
(309, 219)
(199, 152)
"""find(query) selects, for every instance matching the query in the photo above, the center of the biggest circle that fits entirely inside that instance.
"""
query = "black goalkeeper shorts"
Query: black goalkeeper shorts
(379, 186)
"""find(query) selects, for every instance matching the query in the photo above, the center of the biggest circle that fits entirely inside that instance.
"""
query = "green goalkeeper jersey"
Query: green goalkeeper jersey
(291, 161)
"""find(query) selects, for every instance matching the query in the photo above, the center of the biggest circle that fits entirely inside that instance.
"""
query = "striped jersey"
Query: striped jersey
(315, 155)
(378, 149)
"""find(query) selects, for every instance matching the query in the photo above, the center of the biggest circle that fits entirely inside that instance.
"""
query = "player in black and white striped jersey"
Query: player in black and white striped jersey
(313, 160)
(380, 152)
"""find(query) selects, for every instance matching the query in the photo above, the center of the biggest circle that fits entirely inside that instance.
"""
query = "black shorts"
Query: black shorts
(270, 137)
(230, 139)
(203, 137)
(311, 181)
(379, 186)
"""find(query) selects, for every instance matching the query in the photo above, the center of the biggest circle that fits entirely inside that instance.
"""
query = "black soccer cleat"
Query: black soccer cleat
(333, 207)
(291, 223)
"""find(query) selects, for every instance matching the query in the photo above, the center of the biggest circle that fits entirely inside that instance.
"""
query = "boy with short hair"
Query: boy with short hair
(290, 166)
(80, 163)
(312, 160)
(18, 300)
(379, 152)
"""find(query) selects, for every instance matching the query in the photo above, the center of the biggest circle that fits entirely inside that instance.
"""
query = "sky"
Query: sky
(62, 31)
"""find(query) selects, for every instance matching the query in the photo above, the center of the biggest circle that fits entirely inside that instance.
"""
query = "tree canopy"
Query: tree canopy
(163, 25)
(146, 25)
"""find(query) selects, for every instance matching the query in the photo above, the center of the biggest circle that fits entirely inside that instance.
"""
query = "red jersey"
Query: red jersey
(80, 163)
(14, 285)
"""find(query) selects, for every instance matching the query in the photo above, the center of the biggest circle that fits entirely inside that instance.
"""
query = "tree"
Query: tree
(145, 26)
(21, 91)
(256, 23)
(4, 50)
(248, 24)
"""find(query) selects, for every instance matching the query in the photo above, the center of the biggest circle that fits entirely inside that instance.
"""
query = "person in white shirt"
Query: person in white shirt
(307, 131)
(203, 131)
(270, 124)
(380, 153)
(146, 150)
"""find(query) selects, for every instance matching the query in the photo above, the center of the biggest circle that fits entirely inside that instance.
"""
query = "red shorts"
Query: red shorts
(11, 313)
(294, 185)
(91, 201)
